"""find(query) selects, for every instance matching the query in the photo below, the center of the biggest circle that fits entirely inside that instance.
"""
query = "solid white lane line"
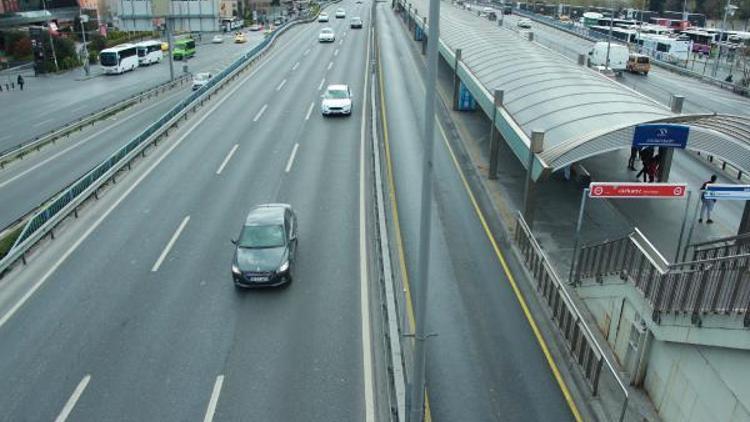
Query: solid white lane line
(364, 294)
(291, 158)
(336, 53)
(214, 399)
(322, 81)
(65, 412)
(8, 315)
(42, 122)
(169, 246)
(77, 144)
(260, 113)
(226, 160)
(296, 65)
(309, 110)
(281, 85)
(330, 65)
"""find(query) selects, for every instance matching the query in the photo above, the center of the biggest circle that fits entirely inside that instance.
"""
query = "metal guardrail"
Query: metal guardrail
(595, 36)
(581, 342)
(727, 246)
(22, 149)
(716, 286)
(67, 202)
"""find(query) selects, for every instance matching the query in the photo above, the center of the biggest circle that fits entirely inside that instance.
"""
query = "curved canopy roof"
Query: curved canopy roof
(582, 112)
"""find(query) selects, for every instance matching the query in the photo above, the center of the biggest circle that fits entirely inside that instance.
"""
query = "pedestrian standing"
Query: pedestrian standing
(646, 155)
(707, 205)
(652, 168)
(20, 82)
(633, 156)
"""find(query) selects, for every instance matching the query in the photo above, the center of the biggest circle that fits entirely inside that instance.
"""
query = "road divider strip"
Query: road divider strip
(211, 410)
(309, 111)
(260, 113)
(170, 245)
(226, 160)
(291, 158)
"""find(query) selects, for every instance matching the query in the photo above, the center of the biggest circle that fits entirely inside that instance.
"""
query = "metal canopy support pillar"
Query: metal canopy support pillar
(494, 141)
(424, 36)
(666, 153)
(529, 191)
(456, 80)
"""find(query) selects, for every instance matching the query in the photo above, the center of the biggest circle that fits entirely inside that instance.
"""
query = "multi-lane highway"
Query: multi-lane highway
(48, 102)
(136, 317)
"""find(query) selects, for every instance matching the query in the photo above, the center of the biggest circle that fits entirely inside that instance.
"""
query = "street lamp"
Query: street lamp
(728, 10)
(84, 18)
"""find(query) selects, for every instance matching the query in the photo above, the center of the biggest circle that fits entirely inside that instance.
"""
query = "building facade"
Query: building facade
(187, 16)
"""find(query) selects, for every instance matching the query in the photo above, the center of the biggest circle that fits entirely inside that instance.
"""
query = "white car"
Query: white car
(326, 35)
(323, 17)
(201, 79)
(340, 13)
(336, 100)
(524, 23)
(217, 39)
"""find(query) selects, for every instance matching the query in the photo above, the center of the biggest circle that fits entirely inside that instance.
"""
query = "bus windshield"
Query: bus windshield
(109, 59)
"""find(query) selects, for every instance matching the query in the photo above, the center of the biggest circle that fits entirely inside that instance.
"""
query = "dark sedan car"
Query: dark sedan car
(265, 250)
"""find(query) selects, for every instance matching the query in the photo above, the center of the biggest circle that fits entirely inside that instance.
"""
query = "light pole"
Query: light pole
(84, 18)
(609, 38)
(728, 10)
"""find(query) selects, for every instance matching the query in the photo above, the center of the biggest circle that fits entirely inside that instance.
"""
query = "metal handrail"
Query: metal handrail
(549, 273)
(68, 201)
(721, 240)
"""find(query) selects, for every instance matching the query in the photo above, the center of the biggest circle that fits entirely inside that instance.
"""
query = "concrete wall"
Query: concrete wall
(687, 382)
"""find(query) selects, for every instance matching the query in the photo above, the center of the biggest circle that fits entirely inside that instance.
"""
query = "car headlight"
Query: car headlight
(284, 267)
(236, 269)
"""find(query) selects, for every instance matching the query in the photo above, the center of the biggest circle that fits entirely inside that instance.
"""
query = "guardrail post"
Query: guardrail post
(456, 80)
(529, 192)
(494, 141)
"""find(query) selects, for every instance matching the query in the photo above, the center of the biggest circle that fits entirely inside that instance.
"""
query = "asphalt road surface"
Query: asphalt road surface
(485, 363)
(48, 102)
(114, 332)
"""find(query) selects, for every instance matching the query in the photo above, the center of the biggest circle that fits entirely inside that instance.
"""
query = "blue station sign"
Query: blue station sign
(727, 192)
(661, 135)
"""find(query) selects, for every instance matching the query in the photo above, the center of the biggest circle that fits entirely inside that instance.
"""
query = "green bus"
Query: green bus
(183, 49)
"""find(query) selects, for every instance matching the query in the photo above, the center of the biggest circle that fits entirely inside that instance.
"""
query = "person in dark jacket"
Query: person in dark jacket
(20, 82)
(633, 156)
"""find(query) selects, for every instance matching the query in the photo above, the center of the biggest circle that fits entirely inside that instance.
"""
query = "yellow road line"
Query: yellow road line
(512, 281)
(394, 206)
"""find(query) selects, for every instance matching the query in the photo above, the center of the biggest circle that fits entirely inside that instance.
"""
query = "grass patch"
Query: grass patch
(7, 241)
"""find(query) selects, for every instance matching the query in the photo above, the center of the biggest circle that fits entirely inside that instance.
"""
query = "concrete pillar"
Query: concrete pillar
(665, 154)
(531, 36)
(494, 141)
(424, 37)
(456, 81)
(529, 191)
(582, 60)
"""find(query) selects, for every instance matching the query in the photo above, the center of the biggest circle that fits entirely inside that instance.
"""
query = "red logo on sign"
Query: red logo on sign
(637, 190)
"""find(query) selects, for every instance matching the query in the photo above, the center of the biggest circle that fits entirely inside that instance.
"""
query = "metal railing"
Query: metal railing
(580, 341)
(726, 246)
(67, 202)
(38, 142)
(717, 285)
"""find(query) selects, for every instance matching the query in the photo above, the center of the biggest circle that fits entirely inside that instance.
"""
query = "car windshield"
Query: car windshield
(327, 31)
(337, 93)
(262, 237)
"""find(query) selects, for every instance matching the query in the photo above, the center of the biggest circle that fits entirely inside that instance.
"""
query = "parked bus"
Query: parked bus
(625, 35)
(702, 40)
(119, 59)
(668, 49)
(183, 49)
(149, 52)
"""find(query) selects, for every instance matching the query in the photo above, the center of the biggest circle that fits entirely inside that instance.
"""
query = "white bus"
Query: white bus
(119, 59)
(149, 52)
(668, 49)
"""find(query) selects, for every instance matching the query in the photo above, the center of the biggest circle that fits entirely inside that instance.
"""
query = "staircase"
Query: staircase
(716, 281)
